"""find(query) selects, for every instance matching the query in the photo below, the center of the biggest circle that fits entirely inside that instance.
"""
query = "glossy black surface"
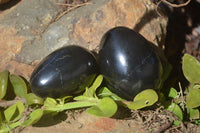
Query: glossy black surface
(66, 71)
(128, 62)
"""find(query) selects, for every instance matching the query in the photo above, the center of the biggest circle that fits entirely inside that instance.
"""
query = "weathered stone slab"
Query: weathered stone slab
(29, 28)
(19, 27)
(86, 25)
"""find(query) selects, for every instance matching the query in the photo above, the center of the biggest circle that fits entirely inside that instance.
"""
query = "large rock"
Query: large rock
(20, 26)
(86, 25)
(32, 22)
(28, 32)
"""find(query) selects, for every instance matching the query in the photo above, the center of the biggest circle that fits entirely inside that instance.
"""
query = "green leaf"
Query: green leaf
(197, 122)
(172, 93)
(90, 92)
(1, 120)
(35, 116)
(14, 125)
(194, 113)
(4, 130)
(177, 122)
(19, 85)
(70, 105)
(31, 99)
(191, 68)
(96, 83)
(66, 99)
(106, 107)
(3, 83)
(20, 108)
(196, 86)
(105, 92)
(9, 112)
(79, 104)
(177, 111)
(143, 99)
(193, 97)
(14, 112)
(50, 102)
(84, 98)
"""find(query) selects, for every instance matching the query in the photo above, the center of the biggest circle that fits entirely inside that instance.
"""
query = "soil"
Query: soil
(183, 36)
(141, 121)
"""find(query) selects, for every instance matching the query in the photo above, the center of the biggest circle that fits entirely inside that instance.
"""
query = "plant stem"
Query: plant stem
(72, 105)
(6, 104)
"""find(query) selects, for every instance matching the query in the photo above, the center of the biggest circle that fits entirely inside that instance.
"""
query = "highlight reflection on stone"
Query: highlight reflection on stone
(66, 71)
(128, 63)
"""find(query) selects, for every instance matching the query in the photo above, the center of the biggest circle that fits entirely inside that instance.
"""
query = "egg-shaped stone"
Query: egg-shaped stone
(66, 71)
(128, 63)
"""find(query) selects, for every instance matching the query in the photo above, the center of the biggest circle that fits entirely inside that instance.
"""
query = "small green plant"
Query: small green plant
(191, 70)
(11, 116)
(100, 102)
(189, 100)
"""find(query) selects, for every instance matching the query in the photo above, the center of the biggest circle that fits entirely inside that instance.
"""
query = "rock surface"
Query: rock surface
(86, 25)
(20, 26)
(86, 123)
(4, 1)
(28, 32)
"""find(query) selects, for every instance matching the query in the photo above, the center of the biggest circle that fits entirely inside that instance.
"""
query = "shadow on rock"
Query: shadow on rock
(49, 120)
(122, 113)
(9, 4)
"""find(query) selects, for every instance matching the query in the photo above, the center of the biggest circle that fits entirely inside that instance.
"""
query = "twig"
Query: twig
(163, 128)
(72, 8)
(59, 15)
(181, 92)
(64, 4)
(157, 7)
(137, 116)
(175, 5)
(183, 127)
(6, 104)
(174, 128)
(149, 118)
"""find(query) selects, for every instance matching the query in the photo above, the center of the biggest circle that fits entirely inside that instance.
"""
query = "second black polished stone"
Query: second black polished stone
(128, 63)
(66, 71)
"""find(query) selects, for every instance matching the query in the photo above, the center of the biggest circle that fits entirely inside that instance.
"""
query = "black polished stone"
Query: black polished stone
(66, 71)
(128, 63)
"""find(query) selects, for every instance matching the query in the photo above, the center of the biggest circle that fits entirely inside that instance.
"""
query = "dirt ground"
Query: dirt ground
(142, 121)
